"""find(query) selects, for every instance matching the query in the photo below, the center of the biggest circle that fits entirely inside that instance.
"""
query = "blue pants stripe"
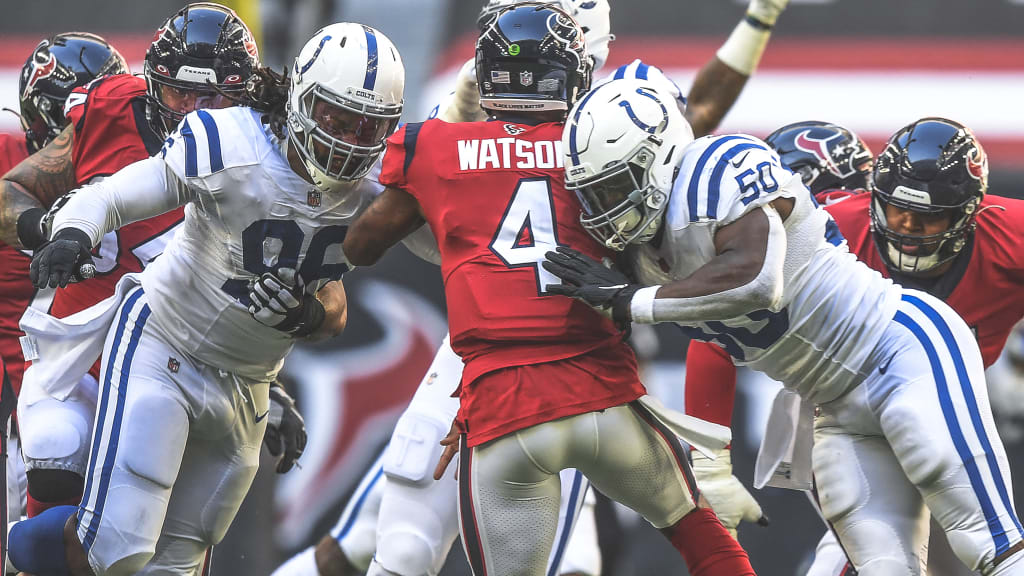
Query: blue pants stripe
(972, 402)
(953, 425)
(575, 494)
(360, 500)
(115, 429)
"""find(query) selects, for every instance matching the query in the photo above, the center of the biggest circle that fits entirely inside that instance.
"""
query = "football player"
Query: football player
(191, 344)
(956, 243)
(112, 123)
(736, 250)
(56, 66)
(398, 541)
(543, 377)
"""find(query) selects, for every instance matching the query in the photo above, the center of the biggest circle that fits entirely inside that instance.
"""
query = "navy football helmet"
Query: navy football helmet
(826, 156)
(201, 57)
(931, 166)
(58, 65)
(531, 57)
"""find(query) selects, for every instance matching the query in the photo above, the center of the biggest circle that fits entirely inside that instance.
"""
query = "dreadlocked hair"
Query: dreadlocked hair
(267, 92)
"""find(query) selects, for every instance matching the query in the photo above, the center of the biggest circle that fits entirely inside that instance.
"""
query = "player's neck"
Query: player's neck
(296, 163)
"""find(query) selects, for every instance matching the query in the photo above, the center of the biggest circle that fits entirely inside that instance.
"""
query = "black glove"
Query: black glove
(280, 301)
(64, 259)
(606, 289)
(286, 430)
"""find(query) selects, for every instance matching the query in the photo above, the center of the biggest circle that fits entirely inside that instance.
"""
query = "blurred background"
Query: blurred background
(871, 65)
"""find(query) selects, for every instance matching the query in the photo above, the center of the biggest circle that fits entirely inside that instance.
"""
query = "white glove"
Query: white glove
(727, 496)
(767, 11)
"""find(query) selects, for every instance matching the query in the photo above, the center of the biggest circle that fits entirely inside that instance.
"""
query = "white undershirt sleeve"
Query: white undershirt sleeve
(763, 292)
(136, 192)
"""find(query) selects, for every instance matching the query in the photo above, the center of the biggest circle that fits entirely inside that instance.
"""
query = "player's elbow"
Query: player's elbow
(360, 251)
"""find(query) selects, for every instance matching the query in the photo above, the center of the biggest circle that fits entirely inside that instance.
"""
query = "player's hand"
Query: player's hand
(62, 260)
(766, 11)
(451, 448)
(280, 301)
(728, 498)
(286, 430)
(604, 288)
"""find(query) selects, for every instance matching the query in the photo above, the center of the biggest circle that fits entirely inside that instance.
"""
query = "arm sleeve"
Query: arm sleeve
(710, 383)
(763, 292)
(138, 191)
(423, 245)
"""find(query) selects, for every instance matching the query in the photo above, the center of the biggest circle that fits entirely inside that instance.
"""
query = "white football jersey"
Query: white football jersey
(834, 308)
(249, 213)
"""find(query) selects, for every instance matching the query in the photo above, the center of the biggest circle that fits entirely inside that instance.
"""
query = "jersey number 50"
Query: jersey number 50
(255, 262)
(528, 230)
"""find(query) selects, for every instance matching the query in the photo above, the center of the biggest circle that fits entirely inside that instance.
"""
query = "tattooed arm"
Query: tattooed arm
(36, 183)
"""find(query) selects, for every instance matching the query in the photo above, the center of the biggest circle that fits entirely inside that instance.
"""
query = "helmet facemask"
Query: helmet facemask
(918, 254)
(621, 203)
(339, 138)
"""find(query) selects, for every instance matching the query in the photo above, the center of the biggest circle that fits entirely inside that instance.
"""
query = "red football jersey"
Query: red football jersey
(15, 289)
(984, 289)
(111, 132)
(494, 196)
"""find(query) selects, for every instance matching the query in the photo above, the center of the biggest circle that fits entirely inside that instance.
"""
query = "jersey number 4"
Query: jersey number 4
(528, 230)
(288, 235)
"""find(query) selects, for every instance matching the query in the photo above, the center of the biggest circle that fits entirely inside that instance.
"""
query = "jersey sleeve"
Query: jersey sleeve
(193, 151)
(724, 177)
(639, 70)
(398, 158)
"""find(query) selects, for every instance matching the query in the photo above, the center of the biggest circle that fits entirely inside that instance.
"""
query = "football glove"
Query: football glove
(62, 260)
(727, 496)
(766, 11)
(286, 430)
(604, 288)
(280, 301)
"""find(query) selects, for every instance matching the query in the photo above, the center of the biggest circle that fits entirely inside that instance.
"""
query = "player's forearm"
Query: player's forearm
(720, 81)
(335, 302)
(392, 216)
(712, 94)
(14, 201)
(136, 192)
(735, 282)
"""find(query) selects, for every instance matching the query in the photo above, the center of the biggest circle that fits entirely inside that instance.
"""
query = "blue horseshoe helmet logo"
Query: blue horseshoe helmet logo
(640, 123)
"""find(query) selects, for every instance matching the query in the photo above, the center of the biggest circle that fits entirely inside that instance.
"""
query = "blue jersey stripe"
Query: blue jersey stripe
(412, 133)
(115, 429)
(692, 191)
(191, 160)
(641, 71)
(972, 402)
(213, 140)
(949, 415)
(620, 72)
(715, 182)
(371, 59)
(574, 153)
(567, 527)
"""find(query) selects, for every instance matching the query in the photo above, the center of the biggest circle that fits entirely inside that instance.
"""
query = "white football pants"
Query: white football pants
(917, 432)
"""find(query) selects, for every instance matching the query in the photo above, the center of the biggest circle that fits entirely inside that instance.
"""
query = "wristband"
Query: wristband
(742, 51)
(313, 315)
(642, 305)
(30, 233)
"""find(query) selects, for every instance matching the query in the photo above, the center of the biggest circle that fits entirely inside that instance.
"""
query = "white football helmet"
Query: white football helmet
(593, 16)
(345, 100)
(623, 143)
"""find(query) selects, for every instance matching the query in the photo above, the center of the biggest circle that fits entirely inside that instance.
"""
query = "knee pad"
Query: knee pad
(52, 485)
(406, 554)
(414, 448)
(56, 435)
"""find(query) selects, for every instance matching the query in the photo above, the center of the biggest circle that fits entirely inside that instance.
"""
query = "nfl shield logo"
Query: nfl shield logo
(313, 198)
(173, 365)
(526, 78)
